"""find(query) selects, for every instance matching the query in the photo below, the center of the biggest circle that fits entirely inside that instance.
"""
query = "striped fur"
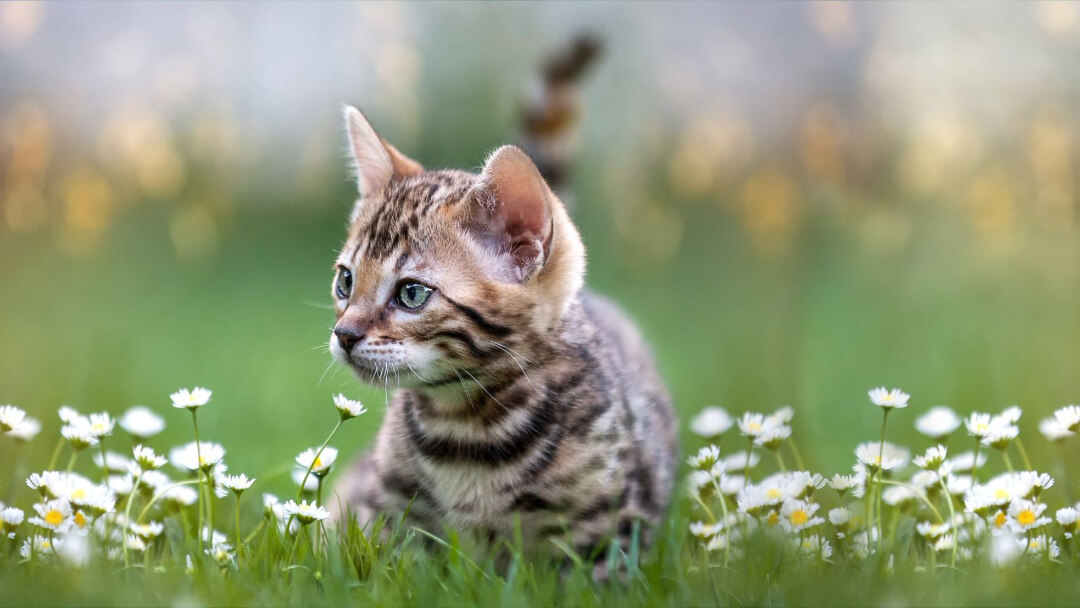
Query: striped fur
(520, 396)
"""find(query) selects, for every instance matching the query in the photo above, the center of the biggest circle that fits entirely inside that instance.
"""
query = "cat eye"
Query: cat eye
(413, 295)
(344, 284)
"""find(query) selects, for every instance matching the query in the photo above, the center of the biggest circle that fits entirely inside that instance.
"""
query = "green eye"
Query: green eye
(344, 284)
(413, 295)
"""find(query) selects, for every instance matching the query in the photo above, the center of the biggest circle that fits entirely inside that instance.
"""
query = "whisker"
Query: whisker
(510, 352)
(422, 379)
(468, 394)
(323, 376)
(485, 390)
(317, 305)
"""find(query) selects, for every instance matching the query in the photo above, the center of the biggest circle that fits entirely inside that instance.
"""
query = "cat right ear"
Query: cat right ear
(375, 162)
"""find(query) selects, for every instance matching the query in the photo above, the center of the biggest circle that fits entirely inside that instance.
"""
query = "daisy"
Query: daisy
(799, 515)
(1068, 518)
(11, 518)
(751, 424)
(190, 399)
(306, 512)
(101, 425)
(813, 546)
(113, 462)
(1034, 482)
(1006, 549)
(184, 496)
(40, 547)
(756, 499)
(147, 459)
(1053, 430)
(1000, 436)
(222, 554)
(1041, 546)
(965, 461)
(979, 425)
(932, 459)
(194, 457)
(802, 484)
(704, 460)
(897, 495)
(1010, 415)
(79, 436)
(938, 422)
(25, 430)
(54, 515)
(772, 437)
(149, 530)
(95, 499)
(319, 465)
(237, 483)
(348, 408)
(945, 543)
(1025, 515)
(141, 422)
(887, 399)
(703, 530)
(843, 483)
(784, 415)
(74, 551)
(932, 530)
(873, 455)
(1069, 417)
(10, 417)
(840, 518)
(958, 485)
(712, 421)
(70, 415)
(740, 461)
(134, 543)
(312, 482)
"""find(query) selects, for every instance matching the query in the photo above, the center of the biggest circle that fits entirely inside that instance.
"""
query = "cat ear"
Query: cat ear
(375, 162)
(513, 215)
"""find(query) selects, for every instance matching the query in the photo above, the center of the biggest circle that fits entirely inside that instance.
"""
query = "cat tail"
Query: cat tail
(551, 111)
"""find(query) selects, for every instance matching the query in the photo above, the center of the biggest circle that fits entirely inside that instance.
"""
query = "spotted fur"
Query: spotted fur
(522, 396)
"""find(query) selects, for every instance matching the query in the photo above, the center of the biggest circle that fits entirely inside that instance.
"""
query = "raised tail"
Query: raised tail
(551, 111)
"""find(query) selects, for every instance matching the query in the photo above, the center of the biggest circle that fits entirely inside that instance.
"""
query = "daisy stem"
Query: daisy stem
(780, 461)
(158, 496)
(975, 463)
(723, 508)
(795, 453)
(104, 463)
(315, 459)
(918, 494)
(952, 517)
(56, 454)
(127, 513)
(1023, 453)
(238, 545)
(881, 469)
(71, 461)
(1008, 462)
(198, 456)
(746, 469)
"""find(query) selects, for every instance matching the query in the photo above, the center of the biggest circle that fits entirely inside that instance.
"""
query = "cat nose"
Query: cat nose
(347, 337)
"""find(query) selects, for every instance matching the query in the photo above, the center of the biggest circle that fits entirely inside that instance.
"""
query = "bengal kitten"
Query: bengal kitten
(521, 394)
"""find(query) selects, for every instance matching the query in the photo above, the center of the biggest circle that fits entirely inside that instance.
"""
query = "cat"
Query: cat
(522, 396)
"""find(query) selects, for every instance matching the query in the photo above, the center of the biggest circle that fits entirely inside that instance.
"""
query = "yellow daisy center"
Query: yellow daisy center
(79, 493)
(999, 519)
(773, 519)
(54, 518)
(1026, 517)
(774, 493)
(799, 517)
(317, 464)
(80, 520)
(1001, 493)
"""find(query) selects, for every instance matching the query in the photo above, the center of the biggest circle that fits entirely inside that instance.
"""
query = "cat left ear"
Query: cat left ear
(375, 161)
(514, 216)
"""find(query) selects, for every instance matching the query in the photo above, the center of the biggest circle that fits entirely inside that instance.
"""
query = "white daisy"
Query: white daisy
(237, 483)
(1000, 436)
(740, 461)
(1069, 417)
(712, 421)
(95, 499)
(1010, 415)
(113, 462)
(888, 399)
(932, 530)
(1053, 430)
(11, 518)
(149, 530)
(41, 547)
(147, 459)
(70, 415)
(813, 546)
(938, 422)
(703, 530)
(965, 461)
(751, 424)
(898, 495)
(1006, 549)
(755, 499)
(840, 518)
(306, 512)
(772, 437)
(194, 458)
(979, 424)
(184, 496)
(348, 408)
(873, 455)
(312, 482)
(958, 485)
(1034, 482)
(802, 484)
(10, 417)
(932, 459)
(79, 436)
(843, 483)
(799, 515)
(320, 466)
(74, 551)
(134, 543)
(101, 425)
(1025, 515)
(1068, 518)
(141, 422)
(25, 430)
(704, 460)
(190, 399)
(1040, 547)
(222, 554)
(945, 543)
(54, 515)
(784, 415)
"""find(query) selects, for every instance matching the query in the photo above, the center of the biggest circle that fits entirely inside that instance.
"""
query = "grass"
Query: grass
(941, 317)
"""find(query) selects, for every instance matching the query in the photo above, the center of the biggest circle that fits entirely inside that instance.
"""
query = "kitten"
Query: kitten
(522, 395)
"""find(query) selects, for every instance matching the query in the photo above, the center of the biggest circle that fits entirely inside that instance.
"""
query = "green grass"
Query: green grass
(941, 317)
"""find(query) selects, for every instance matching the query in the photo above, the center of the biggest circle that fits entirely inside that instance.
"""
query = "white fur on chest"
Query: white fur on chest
(472, 494)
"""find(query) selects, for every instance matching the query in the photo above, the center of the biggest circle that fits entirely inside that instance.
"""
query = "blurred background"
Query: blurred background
(797, 202)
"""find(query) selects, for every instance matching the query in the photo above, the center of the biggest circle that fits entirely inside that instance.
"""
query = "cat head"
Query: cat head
(446, 273)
